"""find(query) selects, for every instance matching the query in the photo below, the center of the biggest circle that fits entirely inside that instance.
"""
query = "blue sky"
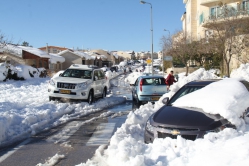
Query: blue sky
(90, 24)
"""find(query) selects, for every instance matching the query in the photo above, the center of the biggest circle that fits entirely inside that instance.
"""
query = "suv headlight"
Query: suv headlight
(81, 85)
(52, 82)
(149, 127)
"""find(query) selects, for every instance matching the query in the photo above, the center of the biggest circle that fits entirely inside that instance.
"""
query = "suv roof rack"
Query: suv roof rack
(84, 66)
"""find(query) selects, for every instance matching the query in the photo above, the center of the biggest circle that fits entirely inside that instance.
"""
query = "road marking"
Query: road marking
(5, 156)
(102, 135)
(66, 132)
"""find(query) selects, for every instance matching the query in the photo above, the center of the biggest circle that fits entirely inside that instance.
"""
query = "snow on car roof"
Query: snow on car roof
(79, 66)
(227, 97)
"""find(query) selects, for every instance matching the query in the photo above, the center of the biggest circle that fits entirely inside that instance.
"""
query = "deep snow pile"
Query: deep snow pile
(241, 72)
(127, 147)
(131, 78)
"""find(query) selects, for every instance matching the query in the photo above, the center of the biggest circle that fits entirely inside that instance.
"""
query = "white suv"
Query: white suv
(81, 82)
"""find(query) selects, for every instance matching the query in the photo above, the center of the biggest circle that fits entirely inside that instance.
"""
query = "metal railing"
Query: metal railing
(225, 12)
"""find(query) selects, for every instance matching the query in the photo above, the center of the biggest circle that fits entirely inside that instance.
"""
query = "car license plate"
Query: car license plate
(154, 98)
(65, 91)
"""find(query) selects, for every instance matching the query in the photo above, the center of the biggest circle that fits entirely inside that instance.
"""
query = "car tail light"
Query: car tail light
(141, 84)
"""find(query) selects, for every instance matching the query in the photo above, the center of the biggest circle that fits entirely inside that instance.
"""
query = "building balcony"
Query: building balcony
(234, 13)
(210, 3)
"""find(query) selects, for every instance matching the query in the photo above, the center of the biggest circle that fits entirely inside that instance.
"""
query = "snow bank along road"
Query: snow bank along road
(75, 141)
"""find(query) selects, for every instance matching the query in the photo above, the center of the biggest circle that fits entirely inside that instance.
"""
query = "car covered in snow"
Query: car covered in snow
(188, 122)
(148, 88)
(81, 82)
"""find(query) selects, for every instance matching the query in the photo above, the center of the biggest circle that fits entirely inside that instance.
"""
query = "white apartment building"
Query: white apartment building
(199, 12)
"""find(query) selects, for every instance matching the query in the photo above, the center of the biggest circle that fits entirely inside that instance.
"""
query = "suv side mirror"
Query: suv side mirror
(165, 100)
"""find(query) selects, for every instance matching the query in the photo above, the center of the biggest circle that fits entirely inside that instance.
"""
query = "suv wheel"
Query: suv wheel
(104, 93)
(51, 98)
(90, 97)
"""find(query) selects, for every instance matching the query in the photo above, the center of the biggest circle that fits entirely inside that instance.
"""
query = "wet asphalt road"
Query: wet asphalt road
(77, 146)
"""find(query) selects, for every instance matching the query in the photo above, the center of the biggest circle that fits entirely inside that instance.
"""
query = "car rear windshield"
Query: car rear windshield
(153, 81)
(183, 91)
(75, 73)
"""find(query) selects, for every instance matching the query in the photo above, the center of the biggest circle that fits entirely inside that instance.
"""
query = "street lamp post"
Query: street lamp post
(143, 2)
(168, 31)
(49, 59)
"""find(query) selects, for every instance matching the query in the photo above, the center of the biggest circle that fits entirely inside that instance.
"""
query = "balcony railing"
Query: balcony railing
(226, 12)
(210, 3)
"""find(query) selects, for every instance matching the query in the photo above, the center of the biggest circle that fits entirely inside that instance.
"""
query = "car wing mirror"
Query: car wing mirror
(60, 74)
(165, 100)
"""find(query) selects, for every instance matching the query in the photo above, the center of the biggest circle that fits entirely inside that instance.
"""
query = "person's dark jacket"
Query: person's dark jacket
(170, 79)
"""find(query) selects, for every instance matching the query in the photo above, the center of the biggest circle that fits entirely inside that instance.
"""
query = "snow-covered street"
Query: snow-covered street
(25, 110)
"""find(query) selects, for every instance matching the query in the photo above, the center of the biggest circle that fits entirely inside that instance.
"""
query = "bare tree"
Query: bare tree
(225, 27)
(181, 49)
(4, 40)
(166, 44)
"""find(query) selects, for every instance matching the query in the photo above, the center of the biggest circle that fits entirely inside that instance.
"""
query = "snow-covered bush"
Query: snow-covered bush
(21, 72)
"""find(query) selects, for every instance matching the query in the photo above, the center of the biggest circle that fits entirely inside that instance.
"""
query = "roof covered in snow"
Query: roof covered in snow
(78, 53)
(17, 51)
(56, 58)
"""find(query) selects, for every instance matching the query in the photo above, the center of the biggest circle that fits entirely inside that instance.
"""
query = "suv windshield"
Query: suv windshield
(76, 73)
(185, 90)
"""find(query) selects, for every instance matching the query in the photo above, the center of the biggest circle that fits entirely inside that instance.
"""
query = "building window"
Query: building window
(245, 5)
(201, 19)
(83, 62)
(215, 12)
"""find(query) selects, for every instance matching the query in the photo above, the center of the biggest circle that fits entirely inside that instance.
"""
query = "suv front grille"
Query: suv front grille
(188, 137)
(66, 85)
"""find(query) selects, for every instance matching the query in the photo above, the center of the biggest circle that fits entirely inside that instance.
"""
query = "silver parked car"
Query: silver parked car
(148, 88)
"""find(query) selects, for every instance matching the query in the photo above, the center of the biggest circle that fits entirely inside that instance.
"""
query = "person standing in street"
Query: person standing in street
(170, 80)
